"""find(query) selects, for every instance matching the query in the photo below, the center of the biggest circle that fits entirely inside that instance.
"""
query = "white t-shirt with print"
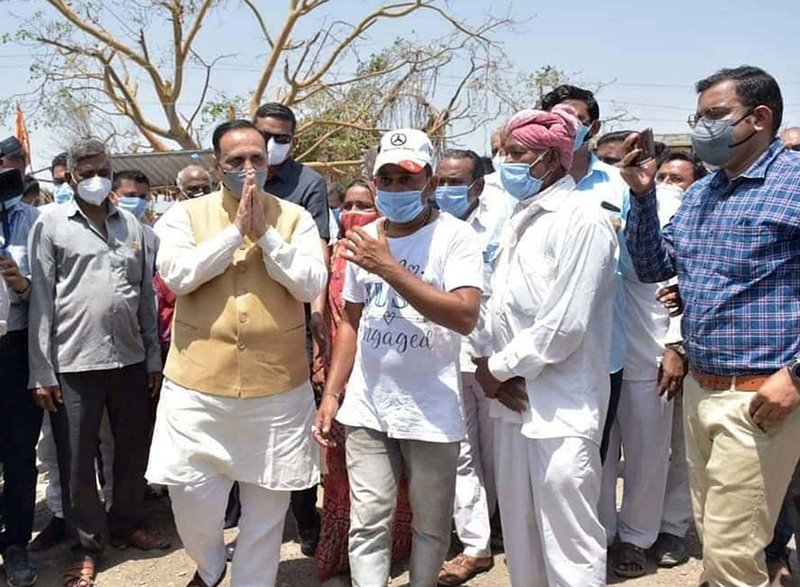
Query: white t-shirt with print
(405, 380)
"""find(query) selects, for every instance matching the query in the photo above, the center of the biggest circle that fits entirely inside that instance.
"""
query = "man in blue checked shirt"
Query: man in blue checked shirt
(735, 246)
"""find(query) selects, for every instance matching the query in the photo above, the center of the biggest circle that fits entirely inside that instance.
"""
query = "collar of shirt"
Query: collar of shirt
(549, 200)
(476, 218)
(598, 171)
(73, 208)
(758, 170)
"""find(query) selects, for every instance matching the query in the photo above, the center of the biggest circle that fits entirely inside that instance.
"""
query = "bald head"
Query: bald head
(791, 138)
(193, 181)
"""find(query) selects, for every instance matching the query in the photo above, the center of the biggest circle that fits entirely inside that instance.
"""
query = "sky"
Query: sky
(647, 54)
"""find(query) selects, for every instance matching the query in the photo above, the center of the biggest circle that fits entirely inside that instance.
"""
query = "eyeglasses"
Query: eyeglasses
(281, 139)
(713, 115)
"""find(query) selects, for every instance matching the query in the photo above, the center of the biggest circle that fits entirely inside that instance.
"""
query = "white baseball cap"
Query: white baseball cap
(409, 148)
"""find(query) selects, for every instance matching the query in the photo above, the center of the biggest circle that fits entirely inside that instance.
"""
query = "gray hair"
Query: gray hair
(189, 169)
(85, 149)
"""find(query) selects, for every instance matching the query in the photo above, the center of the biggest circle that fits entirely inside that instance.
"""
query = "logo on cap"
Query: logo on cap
(398, 140)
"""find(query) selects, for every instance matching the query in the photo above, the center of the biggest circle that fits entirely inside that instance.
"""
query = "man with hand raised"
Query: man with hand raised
(413, 286)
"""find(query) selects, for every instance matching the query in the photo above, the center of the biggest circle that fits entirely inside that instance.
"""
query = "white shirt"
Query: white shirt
(551, 313)
(487, 220)
(603, 183)
(405, 380)
(5, 306)
(185, 266)
(648, 326)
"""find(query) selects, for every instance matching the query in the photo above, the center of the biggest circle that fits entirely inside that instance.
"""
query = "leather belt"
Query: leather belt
(713, 382)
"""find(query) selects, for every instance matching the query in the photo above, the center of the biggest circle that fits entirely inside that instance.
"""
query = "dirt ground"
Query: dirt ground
(173, 568)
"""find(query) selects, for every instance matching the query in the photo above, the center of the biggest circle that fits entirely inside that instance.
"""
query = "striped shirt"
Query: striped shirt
(735, 247)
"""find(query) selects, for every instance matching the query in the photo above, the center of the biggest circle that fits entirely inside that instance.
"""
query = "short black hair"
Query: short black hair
(229, 126)
(478, 170)
(754, 87)
(276, 110)
(699, 170)
(567, 92)
(59, 160)
(617, 136)
(31, 185)
(134, 175)
(488, 165)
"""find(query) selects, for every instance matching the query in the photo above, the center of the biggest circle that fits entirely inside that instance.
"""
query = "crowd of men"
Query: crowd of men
(475, 344)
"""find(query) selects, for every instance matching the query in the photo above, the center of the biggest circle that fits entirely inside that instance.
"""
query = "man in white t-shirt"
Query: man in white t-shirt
(412, 289)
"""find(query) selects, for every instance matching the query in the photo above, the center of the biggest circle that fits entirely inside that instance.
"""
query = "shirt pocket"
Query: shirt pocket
(528, 280)
(130, 258)
(750, 251)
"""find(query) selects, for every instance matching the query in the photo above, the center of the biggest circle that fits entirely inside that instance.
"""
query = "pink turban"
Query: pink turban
(539, 130)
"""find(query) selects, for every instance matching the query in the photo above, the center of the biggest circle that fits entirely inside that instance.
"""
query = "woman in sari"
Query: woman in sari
(358, 209)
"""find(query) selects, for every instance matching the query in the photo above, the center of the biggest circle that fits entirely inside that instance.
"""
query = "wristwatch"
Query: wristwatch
(677, 347)
(794, 370)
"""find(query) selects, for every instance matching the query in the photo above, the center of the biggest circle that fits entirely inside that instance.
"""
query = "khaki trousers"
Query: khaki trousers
(738, 475)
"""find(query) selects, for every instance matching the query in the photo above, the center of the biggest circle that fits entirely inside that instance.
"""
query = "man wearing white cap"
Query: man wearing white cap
(412, 288)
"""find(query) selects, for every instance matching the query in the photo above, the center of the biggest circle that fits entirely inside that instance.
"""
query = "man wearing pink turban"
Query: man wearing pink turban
(550, 318)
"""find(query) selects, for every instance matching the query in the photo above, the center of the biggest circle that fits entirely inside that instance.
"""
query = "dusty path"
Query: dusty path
(173, 568)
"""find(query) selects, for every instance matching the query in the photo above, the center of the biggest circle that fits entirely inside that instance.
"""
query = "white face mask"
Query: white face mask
(277, 153)
(94, 190)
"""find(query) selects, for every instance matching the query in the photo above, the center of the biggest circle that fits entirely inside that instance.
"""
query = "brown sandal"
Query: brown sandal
(143, 540)
(82, 573)
(462, 568)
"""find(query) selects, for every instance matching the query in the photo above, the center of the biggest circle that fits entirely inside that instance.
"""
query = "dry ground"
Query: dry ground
(173, 568)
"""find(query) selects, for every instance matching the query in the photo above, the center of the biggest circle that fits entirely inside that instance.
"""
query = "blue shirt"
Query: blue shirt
(604, 183)
(21, 219)
(735, 247)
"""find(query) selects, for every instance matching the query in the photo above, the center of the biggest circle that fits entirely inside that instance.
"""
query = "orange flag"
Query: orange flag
(21, 132)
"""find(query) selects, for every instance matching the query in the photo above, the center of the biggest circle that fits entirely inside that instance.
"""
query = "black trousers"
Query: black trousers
(613, 404)
(76, 424)
(20, 423)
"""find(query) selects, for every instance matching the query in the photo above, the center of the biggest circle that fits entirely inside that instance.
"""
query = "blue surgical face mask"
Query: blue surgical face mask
(400, 207)
(518, 181)
(63, 193)
(234, 181)
(134, 205)
(453, 199)
(580, 137)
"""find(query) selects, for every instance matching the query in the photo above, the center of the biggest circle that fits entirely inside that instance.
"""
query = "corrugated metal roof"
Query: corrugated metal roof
(161, 168)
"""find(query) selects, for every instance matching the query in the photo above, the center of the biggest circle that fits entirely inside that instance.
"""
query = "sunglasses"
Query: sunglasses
(281, 139)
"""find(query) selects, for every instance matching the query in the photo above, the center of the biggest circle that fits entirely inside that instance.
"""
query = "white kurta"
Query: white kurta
(551, 313)
(265, 441)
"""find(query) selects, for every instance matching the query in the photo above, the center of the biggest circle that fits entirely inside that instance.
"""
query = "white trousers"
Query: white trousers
(548, 490)
(48, 464)
(199, 512)
(642, 428)
(677, 515)
(476, 495)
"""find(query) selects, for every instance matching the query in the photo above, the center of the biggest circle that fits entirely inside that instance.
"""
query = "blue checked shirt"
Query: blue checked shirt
(735, 247)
